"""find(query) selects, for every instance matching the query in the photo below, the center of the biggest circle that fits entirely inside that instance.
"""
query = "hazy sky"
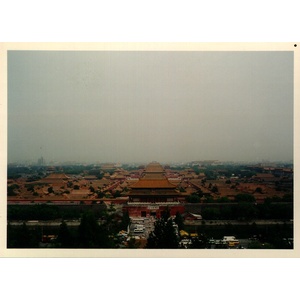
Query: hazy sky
(144, 106)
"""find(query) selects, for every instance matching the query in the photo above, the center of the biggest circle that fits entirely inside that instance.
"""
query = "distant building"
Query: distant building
(108, 167)
(41, 161)
(55, 178)
(192, 217)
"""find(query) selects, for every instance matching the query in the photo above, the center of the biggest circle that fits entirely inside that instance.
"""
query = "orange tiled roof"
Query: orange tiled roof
(56, 176)
(154, 176)
(154, 167)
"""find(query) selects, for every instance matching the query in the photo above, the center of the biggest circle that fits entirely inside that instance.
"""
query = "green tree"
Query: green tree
(210, 213)
(50, 190)
(165, 215)
(93, 235)
(100, 176)
(22, 237)
(125, 220)
(199, 193)
(193, 199)
(223, 200)
(163, 236)
(100, 194)
(11, 236)
(258, 190)
(30, 188)
(64, 238)
(264, 209)
(11, 192)
(69, 184)
(111, 208)
(226, 212)
(215, 189)
(287, 198)
(117, 194)
(245, 198)
(88, 231)
(255, 245)
(171, 239)
(179, 221)
(246, 211)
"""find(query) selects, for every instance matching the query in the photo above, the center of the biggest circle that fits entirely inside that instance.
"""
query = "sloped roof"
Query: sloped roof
(56, 176)
(264, 175)
(197, 216)
(154, 167)
(154, 176)
(90, 177)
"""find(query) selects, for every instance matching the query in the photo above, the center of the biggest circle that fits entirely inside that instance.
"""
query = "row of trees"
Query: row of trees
(249, 211)
(244, 207)
(166, 234)
(38, 172)
(90, 233)
(52, 212)
(212, 172)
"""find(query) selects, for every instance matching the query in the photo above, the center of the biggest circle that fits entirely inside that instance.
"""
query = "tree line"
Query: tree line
(52, 212)
(244, 207)
(91, 233)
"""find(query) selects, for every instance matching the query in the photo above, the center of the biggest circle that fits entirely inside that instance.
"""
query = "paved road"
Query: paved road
(148, 227)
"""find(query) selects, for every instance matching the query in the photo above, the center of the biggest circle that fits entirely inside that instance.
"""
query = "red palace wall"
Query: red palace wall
(145, 211)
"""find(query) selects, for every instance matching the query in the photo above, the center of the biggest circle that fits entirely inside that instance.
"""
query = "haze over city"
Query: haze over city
(105, 106)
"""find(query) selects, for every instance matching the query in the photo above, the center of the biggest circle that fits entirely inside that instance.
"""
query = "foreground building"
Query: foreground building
(153, 194)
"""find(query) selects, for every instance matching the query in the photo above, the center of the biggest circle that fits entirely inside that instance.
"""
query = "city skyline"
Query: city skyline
(45, 163)
(104, 106)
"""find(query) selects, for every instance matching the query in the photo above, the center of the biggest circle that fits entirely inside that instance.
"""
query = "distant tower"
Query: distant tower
(41, 161)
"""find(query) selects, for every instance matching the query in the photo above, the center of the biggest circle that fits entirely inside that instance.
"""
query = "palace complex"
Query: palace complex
(153, 193)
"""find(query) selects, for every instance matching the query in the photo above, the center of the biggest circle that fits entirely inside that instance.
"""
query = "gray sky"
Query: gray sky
(145, 106)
